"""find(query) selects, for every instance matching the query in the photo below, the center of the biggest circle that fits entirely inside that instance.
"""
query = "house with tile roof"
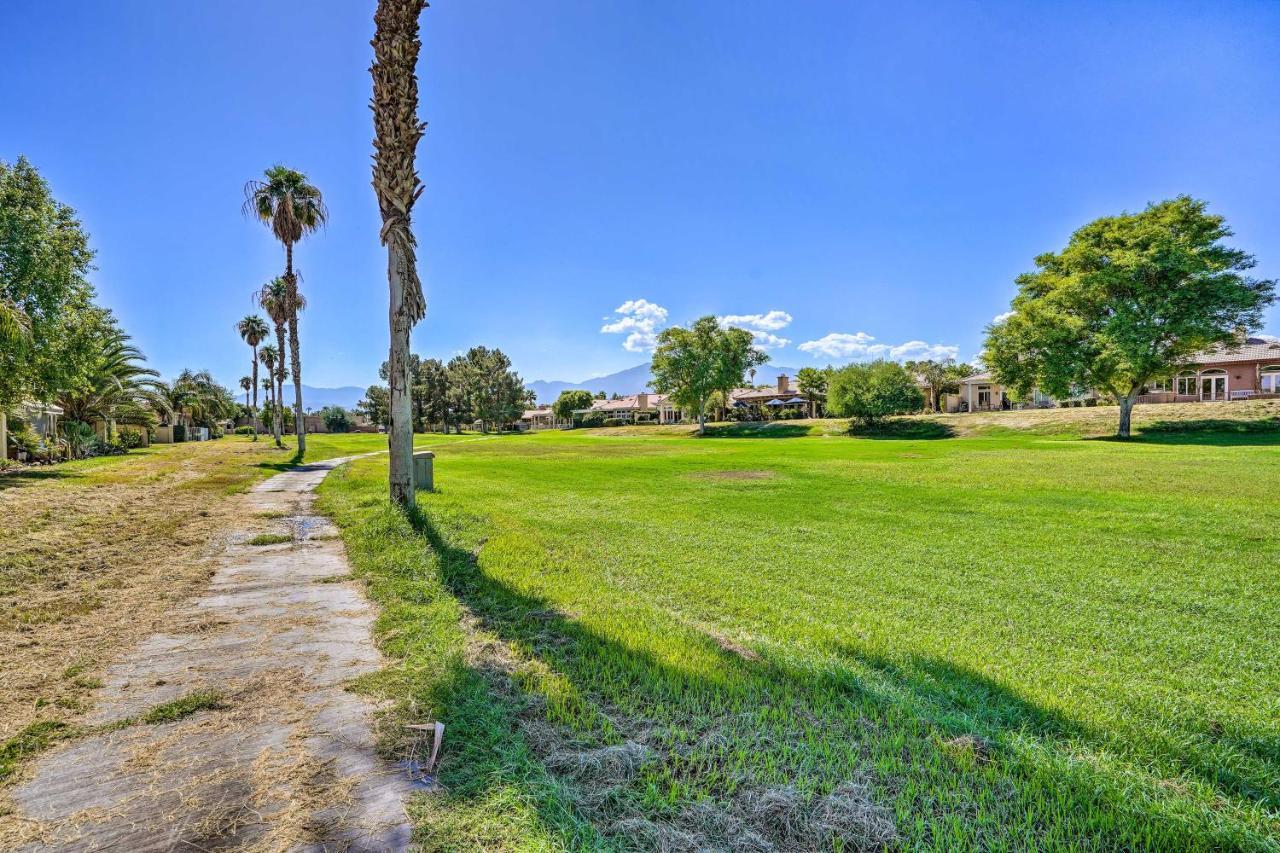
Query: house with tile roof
(645, 407)
(1246, 369)
(774, 400)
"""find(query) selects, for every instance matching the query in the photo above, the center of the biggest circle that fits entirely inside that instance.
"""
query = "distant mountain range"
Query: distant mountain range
(629, 381)
(317, 398)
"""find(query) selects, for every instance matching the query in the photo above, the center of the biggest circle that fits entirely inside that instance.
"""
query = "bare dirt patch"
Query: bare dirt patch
(93, 560)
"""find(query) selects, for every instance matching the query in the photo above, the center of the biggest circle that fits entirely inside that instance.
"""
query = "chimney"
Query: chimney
(642, 401)
(784, 384)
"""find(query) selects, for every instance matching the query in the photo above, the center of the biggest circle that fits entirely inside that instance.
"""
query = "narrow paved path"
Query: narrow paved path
(284, 760)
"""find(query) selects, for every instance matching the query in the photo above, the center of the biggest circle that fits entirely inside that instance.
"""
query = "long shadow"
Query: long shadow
(1213, 431)
(290, 464)
(771, 429)
(903, 428)
(946, 700)
(31, 476)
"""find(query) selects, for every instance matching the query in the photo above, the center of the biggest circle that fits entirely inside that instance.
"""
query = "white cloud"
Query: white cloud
(861, 346)
(640, 320)
(769, 322)
(761, 326)
(768, 341)
(1000, 318)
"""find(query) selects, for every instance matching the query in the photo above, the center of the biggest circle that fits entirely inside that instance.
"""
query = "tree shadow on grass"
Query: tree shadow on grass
(939, 722)
(770, 429)
(282, 465)
(32, 476)
(902, 428)
(1212, 431)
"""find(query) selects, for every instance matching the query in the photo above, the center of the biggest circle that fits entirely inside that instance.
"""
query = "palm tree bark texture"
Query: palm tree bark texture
(397, 131)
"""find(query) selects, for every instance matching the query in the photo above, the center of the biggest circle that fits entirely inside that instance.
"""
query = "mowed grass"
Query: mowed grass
(1007, 642)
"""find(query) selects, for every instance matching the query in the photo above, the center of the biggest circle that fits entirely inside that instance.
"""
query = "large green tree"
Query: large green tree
(44, 258)
(292, 208)
(570, 400)
(868, 392)
(690, 364)
(375, 405)
(1130, 299)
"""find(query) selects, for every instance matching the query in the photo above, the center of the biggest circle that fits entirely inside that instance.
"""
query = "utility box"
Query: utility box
(423, 470)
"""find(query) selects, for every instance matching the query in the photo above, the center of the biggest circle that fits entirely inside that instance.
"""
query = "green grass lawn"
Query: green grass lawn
(1008, 642)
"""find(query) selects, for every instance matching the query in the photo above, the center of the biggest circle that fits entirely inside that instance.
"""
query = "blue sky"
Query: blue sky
(845, 176)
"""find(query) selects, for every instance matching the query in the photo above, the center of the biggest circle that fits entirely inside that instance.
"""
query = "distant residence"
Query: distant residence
(541, 418)
(644, 407)
(42, 418)
(981, 393)
(1248, 369)
(774, 401)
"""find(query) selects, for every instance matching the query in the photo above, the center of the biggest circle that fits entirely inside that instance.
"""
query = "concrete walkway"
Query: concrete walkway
(284, 760)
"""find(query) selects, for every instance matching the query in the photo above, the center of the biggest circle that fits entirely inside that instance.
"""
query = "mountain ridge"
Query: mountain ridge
(630, 381)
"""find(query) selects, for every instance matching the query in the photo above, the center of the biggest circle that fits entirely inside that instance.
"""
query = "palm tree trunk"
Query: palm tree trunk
(295, 356)
(400, 430)
(278, 424)
(397, 130)
(253, 410)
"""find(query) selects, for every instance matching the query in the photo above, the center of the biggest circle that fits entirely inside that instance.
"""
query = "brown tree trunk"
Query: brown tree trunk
(253, 410)
(4, 434)
(400, 431)
(278, 424)
(295, 356)
(1126, 414)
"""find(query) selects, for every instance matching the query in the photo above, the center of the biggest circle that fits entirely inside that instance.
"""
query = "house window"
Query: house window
(1187, 385)
(1158, 386)
(1271, 379)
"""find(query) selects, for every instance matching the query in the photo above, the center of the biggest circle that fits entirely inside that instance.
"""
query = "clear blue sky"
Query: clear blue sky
(878, 173)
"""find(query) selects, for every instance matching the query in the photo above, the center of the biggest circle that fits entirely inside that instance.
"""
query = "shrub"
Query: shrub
(592, 419)
(868, 392)
(613, 422)
(244, 430)
(335, 419)
(129, 438)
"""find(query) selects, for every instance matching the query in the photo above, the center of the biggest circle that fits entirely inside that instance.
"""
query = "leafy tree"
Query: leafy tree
(292, 208)
(397, 130)
(1130, 299)
(431, 393)
(375, 405)
(569, 400)
(812, 383)
(868, 392)
(335, 419)
(196, 395)
(691, 363)
(117, 387)
(943, 377)
(44, 295)
(254, 331)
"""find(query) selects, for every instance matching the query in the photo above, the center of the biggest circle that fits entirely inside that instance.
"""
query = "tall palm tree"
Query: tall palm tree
(397, 130)
(274, 299)
(268, 383)
(293, 208)
(247, 385)
(254, 331)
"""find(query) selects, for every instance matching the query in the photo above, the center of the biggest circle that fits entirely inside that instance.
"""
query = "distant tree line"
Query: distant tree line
(476, 386)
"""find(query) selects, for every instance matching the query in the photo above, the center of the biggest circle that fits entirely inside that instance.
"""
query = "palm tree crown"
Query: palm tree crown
(286, 202)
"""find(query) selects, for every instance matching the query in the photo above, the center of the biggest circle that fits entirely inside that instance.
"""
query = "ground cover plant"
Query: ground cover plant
(1005, 641)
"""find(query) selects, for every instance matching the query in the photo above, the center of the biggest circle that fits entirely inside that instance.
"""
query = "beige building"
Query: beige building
(1247, 370)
